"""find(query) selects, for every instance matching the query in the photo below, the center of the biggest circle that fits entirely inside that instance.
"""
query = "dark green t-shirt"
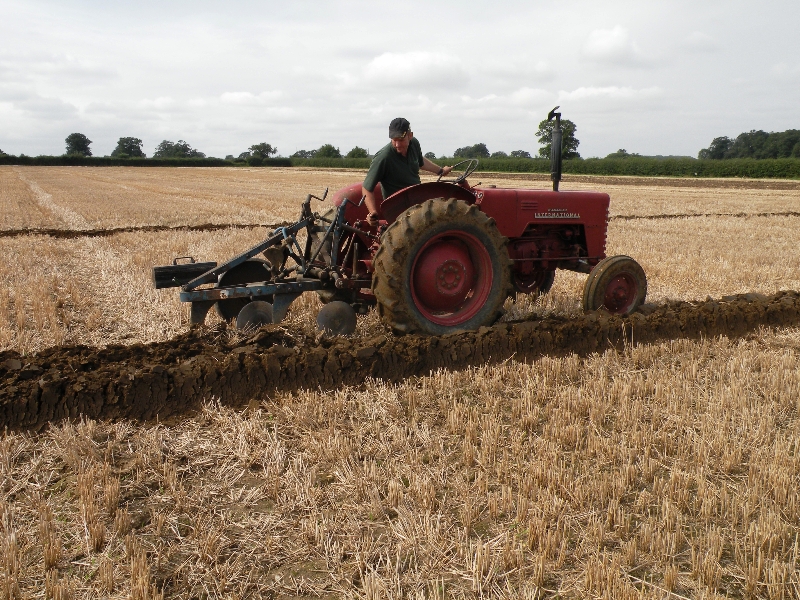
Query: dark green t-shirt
(393, 170)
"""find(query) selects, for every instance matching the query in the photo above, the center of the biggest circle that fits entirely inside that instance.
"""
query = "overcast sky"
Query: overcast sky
(651, 77)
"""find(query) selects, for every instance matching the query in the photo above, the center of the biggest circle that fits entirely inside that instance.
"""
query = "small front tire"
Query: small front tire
(617, 284)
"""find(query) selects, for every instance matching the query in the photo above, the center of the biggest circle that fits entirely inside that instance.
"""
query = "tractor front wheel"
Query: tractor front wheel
(617, 284)
(442, 267)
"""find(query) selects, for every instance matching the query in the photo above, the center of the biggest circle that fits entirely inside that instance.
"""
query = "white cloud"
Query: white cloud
(249, 99)
(513, 70)
(702, 42)
(610, 93)
(784, 70)
(530, 96)
(162, 103)
(613, 46)
(429, 70)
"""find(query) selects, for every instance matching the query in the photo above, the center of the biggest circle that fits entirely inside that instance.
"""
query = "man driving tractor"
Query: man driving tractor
(396, 166)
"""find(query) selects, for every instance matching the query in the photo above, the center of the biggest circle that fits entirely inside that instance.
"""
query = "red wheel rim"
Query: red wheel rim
(621, 293)
(451, 278)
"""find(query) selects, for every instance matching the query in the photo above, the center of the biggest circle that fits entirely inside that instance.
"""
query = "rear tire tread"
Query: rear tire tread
(392, 269)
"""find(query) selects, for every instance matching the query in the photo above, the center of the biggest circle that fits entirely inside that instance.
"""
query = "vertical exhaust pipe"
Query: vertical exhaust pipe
(555, 149)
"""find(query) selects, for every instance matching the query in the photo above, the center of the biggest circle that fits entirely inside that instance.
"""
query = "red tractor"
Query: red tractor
(444, 259)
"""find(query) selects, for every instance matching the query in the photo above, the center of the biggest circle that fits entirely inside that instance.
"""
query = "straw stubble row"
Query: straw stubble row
(668, 467)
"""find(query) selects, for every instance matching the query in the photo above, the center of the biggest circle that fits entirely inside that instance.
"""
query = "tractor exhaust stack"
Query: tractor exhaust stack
(555, 149)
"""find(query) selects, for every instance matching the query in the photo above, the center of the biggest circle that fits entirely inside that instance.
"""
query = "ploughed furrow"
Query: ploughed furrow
(81, 233)
(170, 378)
(695, 215)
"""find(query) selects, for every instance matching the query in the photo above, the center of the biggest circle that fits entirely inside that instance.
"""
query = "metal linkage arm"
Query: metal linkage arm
(273, 240)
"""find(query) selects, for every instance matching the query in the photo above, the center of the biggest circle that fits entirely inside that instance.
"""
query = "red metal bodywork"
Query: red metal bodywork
(546, 229)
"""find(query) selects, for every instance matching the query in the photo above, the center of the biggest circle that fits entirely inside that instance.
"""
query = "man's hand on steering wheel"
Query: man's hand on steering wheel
(472, 164)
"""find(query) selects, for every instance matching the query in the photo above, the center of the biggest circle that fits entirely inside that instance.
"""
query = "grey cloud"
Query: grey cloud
(29, 66)
(37, 105)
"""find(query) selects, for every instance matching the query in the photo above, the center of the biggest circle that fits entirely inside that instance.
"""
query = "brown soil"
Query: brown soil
(77, 233)
(168, 379)
(80, 233)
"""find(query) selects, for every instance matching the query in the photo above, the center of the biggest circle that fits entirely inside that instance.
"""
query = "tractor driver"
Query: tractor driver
(396, 166)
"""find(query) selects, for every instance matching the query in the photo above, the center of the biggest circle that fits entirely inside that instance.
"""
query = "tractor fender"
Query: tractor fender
(352, 192)
(399, 202)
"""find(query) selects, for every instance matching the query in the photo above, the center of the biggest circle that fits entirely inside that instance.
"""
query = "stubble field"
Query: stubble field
(654, 470)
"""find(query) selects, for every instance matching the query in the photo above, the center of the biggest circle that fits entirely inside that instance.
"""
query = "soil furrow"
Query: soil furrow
(73, 234)
(695, 215)
(169, 379)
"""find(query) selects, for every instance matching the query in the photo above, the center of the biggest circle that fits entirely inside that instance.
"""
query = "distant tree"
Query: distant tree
(328, 151)
(128, 147)
(244, 156)
(752, 144)
(430, 155)
(179, 149)
(520, 154)
(719, 146)
(569, 143)
(78, 145)
(3, 153)
(304, 154)
(229, 157)
(476, 151)
(357, 152)
(622, 153)
(262, 150)
(499, 154)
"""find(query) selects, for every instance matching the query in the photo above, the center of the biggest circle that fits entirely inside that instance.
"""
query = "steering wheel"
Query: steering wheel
(472, 164)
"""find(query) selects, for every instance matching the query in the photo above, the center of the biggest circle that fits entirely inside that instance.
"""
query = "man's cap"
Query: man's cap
(399, 127)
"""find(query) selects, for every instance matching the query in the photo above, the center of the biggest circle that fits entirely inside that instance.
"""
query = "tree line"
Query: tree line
(79, 145)
(750, 145)
(754, 144)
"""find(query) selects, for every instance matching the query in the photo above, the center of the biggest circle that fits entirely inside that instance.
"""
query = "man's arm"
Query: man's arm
(372, 179)
(434, 168)
(369, 200)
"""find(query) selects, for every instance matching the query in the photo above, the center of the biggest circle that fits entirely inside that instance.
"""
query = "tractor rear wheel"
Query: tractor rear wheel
(250, 271)
(617, 284)
(442, 267)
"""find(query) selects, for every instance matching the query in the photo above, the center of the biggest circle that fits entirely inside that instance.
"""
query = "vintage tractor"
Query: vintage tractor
(444, 258)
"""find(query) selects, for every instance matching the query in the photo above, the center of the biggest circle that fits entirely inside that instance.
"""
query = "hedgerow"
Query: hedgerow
(779, 168)
(107, 161)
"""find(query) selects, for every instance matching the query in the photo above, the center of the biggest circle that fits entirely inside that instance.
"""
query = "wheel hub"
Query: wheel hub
(619, 293)
(449, 277)
(444, 275)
